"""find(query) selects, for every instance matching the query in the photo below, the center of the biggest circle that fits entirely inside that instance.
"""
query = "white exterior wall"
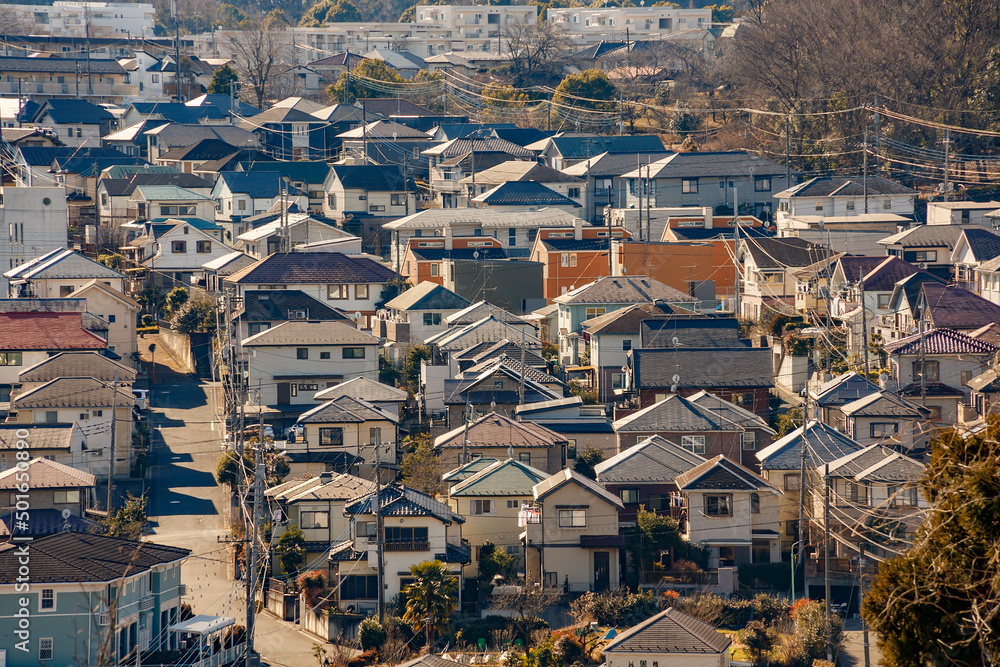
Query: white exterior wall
(96, 430)
(592, 24)
(28, 226)
(320, 292)
(189, 260)
(267, 362)
(107, 19)
(500, 527)
(671, 659)
(794, 207)
(357, 440)
(365, 200)
(121, 332)
(739, 526)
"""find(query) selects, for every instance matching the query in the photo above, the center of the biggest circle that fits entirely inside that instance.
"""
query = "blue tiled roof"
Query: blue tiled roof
(524, 193)
(256, 184)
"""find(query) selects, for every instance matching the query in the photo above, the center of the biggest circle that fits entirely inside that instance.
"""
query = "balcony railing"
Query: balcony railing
(407, 546)
(146, 603)
(69, 89)
(685, 578)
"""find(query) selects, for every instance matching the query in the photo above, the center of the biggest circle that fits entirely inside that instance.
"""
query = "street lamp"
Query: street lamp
(152, 363)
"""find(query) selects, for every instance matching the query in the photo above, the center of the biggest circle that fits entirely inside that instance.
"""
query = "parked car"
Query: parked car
(141, 397)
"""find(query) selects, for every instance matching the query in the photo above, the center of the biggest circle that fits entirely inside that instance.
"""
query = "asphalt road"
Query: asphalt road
(187, 508)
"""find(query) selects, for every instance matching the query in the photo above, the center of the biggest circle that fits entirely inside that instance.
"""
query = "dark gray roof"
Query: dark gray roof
(373, 177)
(704, 368)
(877, 463)
(940, 341)
(670, 631)
(857, 267)
(655, 460)
(345, 410)
(844, 186)
(75, 557)
(823, 444)
(179, 113)
(312, 268)
(274, 306)
(883, 404)
(256, 184)
(393, 106)
(701, 412)
(313, 173)
(573, 245)
(428, 296)
(954, 307)
(843, 389)
(203, 150)
(625, 290)
(707, 165)
(399, 500)
(721, 473)
(702, 234)
(690, 331)
(126, 186)
(890, 271)
(438, 254)
(574, 147)
(779, 253)
(524, 193)
(486, 350)
(59, 66)
(614, 164)
(926, 236)
(985, 245)
(75, 111)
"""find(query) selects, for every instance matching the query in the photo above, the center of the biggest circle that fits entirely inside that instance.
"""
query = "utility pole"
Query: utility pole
(379, 538)
(923, 364)
(649, 191)
(111, 461)
(947, 163)
(864, 172)
(788, 150)
(520, 385)
(638, 190)
(465, 441)
(258, 491)
(736, 266)
(864, 623)
(177, 48)
(86, 27)
(864, 323)
(232, 102)
(802, 476)
(826, 560)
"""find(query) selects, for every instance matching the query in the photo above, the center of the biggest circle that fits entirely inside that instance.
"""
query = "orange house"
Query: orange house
(573, 256)
(427, 258)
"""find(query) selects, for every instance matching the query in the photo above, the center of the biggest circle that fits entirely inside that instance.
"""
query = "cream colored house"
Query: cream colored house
(59, 273)
(490, 501)
(571, 537)
(118, 310)
(350, 426)
(732, 512)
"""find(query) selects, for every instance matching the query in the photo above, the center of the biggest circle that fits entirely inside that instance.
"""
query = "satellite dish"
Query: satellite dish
(493, 405)
(675, 340)
(676, 378)
(510, 452)
(357, 314)
(475, 255)
(394, 136)
(673, 388)
(66, 513)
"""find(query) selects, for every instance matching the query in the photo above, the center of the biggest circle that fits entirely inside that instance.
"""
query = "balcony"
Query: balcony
(69, 89)
(146, 603)
(407, 546)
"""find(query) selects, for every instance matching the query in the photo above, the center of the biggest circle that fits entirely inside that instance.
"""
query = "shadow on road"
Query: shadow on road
(178, 396)
(172, 503)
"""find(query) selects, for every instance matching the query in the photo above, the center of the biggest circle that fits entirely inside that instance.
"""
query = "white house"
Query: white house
(59, 273)
(424, 308)
(177, 255)
(118, 310)
(32, 221)
(841, 197)
(669, 638)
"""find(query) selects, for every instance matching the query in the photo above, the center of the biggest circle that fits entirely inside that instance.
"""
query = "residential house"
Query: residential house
(883, 417)
(298, 358)
(419, 313)
(605, 185)
(928, 247)
(401, 110)
(769, 276)
(304, 176)
(288, 133)
(585, 427)
(571, 537)
(27, 338)
(961, 213)
(417, 528)
(489, 350)
(242, 194)
(61, 443)
(740, 375)
(274, 231)
(331, 67)
(163, 138)
(55, 488)
(828, 399)
(904, 307)
(702, 424)
(88, 402)
(711, 179)
(732, 512)
(77, 122)
(149, 202)
(670, 637)
(988, 275)
(491, 500)
(876, 491)
(950, 307)
(118, 310)
(352, 284)
(975, 246)
(429, 259)
(610, 338)
(524, 196)
(316, 506)
(191, 157)
(500, 385)
(835, 201)
(370, 142)
(481, 182)
(573, 256)
(645, 474)
(500, 437)
(350, 429)
(217, 270)
(937, 367)
(782, 464)
(453, 162)
(131, 590)
(174, 252)
(491, 328)
(368, 191)
(264, 309)
(116, 206)
(59, 273)
(562, 151)
(76, 364)
(382, 396)
(45, 212)
(605, 295)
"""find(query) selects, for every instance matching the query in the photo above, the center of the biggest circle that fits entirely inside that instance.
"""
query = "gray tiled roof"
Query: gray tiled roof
(570, 476)
(613, 164)
(481, 309)
(668, 632)
(985, 245)
(345, 410)
(824, 444)
(522, 193)
(954, 307)
(721, 473)
(497, 430)
(399, 500)
(706, 165)
(940, 341)
(312, 268)
(341, 487)
(273, 306)
(780, 253)
(428, 296)
(365, 389)
(883, 404)
(624, 289)
(926, 236)
(694, 331)
(843, 389)
(876, 463)
(78, 364)
(502, 478)
(842, 186)
(704, 368)
(522, 171)
(655, 460)
(699, 413)
(73, 392)
(310, 333)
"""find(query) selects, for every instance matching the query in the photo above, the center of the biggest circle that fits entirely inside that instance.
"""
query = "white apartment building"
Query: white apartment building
(590, 25)
(69, 19)
(33, 221)
(472, 26)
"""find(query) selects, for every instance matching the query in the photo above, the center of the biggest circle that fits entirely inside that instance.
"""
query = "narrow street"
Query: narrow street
(187, 508)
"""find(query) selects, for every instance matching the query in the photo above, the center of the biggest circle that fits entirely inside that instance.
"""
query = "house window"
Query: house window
(754, 503)
(594, 312)
(966, 376)
(302, 353)
(178, 247)
(572, 518)
(366, 529)
(10, 358)
(331, 200)
(376, 208)
(308, 386)
(331, 436)
(48, 599)
(792, 528)
(482, 507)
(204, 246)
(884, 429)
(574, 193)
(629, 496)
(762, 184)
(883, 300)
(324, 355)
(792, 482)
(512, 237)
(400, 535)
(432, 319)
(856, 493)
(359, 587)
(925, 256)
(693, 443)
(242, 205)
(749, 439)
(564, 259)
(524, 457)
(571, 448)
(398, 200)
(850, 205)
(689, 186)
(887, 204)
(819, 207)
(337, 292)
(626, 345)
(901, 496)
(617, 381)
(314, 520)
(434, 269)
(353, 353)
(51, 417)
(111, 319)
(45, 646)
(66, 497)
(745, 399)
(718, 504)
(361, 292)
(513, 504)
(931, 374)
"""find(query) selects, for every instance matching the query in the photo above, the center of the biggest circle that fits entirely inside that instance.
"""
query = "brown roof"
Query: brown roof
(496, 430)
(46, 331)
(72, 392)
(78, 364)
(46, 474)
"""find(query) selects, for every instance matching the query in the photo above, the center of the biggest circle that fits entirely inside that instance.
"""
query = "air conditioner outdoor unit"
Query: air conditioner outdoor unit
(105, 618)
(921, 265)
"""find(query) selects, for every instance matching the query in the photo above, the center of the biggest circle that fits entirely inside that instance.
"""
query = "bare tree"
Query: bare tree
(260, 51)
(525, 604)
(532, 45)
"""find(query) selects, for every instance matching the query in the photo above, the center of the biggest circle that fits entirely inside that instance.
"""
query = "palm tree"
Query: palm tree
(431, 598)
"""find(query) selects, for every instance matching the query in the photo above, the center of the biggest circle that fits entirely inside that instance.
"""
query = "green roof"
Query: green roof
(306, 172)
(197, 223)
(503, 478)
(169, 192)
